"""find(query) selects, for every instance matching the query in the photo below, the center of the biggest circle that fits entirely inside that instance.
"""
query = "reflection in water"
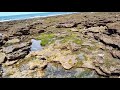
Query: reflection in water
(36, 45)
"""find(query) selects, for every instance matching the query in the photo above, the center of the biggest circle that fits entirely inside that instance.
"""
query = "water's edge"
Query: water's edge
(32, 16)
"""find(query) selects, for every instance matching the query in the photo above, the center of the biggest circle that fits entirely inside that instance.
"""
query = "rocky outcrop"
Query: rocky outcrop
(58, 53)
(3, 39)
(22, 31)
(84, 45)
(114, 28)
(108, 40)
(17, 51)
(115, 54)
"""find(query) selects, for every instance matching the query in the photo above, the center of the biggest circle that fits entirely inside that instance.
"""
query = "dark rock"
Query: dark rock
(114, 27)
(17, 51)
(41, 31)
(3, 39)
(22, 31)
(18, 54)
(16, 47)
(52, 71)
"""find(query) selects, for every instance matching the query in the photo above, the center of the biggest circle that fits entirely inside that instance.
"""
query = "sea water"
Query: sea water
(36, 45)
(31, 15)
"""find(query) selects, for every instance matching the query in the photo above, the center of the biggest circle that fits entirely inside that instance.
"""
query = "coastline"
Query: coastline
(35, 17)
(81, 45)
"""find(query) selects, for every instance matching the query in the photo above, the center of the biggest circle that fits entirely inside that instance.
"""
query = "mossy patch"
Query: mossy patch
(45, 38)
(72, 38)
(78, 41)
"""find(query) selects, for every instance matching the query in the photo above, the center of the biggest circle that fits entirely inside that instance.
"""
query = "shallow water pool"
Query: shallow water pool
(36, 45)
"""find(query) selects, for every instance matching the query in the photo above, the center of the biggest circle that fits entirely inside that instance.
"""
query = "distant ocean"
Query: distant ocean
(34, 15)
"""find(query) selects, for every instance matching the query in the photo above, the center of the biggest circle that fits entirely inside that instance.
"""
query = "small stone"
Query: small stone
(41, 31)
(101, 55)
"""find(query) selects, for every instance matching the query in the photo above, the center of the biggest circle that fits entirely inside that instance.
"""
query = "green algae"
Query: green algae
(45, 38)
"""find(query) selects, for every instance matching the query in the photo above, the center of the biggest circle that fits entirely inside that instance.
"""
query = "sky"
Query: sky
(17, 13)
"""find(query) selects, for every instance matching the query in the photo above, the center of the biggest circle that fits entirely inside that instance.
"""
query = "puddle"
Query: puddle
(36, 46)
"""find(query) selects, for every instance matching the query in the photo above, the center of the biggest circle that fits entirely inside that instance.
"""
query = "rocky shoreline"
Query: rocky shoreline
(81, 45)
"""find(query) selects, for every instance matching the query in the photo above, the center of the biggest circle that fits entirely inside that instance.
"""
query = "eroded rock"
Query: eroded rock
(2, 57)
(114, 27)
(17, 51)
(115, 53)
(3, 39)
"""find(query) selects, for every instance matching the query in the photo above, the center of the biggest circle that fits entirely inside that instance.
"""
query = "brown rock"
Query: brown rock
(115, 53)
(2, 57)
(3, 39)
(114, 26)
(37, 64)
(17, 51)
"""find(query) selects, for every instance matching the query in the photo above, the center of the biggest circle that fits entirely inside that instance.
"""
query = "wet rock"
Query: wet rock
(13, 72)
(56, 71)
(85, 73)
(2, 57)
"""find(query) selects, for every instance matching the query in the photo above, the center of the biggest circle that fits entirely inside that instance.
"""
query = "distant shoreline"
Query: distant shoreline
(36, 17)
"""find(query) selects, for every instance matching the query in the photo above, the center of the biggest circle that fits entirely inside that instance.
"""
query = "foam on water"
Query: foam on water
(34, 15)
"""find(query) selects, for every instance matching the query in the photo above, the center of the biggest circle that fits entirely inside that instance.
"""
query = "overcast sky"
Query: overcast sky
(17, 13)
